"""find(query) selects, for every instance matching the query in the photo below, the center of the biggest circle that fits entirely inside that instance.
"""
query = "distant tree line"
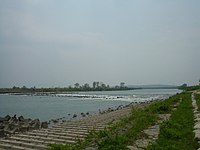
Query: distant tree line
(185, 87)
(96, 86)
(190, 88)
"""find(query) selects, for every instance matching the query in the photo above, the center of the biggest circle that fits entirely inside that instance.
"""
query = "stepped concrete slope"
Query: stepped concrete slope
(66, 132)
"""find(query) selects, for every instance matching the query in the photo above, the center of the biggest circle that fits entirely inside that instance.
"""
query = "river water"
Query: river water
(65, 105)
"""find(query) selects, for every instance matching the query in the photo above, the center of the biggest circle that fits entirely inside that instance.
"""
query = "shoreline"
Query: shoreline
(15, 125)
(67, 107)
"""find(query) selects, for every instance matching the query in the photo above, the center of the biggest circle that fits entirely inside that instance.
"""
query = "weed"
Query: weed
(177, 132)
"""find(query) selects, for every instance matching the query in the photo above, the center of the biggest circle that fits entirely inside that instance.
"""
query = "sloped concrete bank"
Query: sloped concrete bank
(11, 125)
(65, 132)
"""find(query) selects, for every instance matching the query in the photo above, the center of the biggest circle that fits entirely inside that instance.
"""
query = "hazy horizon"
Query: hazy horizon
(49, 43)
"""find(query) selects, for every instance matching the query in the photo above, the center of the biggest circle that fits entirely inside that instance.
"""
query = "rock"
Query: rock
(197, 125)
(6, 127)
(82, 114)
(197, 115)
(2, 126)
(21, 118)
(74, 116)
(90, 148)
(197, 134)
(54, 121)
(197, 120)
(14, 117)
(1, 119)
(7, 118)
(34, 121)
(44, 124)
(36, 125)
(11, 125)
(15, 129)
(24, 128)
(133, 148)
(2, 133)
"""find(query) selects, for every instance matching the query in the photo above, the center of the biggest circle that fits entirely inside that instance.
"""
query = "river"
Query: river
(67, 104)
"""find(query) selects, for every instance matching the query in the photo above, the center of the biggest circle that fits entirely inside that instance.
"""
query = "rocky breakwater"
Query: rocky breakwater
(11, 125)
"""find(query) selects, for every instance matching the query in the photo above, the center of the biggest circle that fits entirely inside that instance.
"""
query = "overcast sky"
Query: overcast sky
(50, 43)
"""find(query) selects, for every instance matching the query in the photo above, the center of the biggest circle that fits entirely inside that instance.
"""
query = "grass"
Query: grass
(125, 132)
(117, 137)
(177, 132)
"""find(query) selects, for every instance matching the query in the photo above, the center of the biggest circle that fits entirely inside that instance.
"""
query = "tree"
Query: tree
(122, 85)
(108, 86)
(14, 87)
(76, 85)
(94, 85)
(103, 86)
(97, 84)
(86, 87)
(100, 84)
(24, 87)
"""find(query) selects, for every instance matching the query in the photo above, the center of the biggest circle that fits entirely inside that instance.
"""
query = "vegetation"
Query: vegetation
(192, 88)
(177, 132)
(96, 86)
(184, 87)
(125, 132)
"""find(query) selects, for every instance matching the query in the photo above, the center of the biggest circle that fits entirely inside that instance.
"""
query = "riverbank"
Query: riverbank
(47, 107)
(12, 125)
(68, 131)
(113, 128)
(142, 128)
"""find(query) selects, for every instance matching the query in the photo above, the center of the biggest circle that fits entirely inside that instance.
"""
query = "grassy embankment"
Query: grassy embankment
(192, 88)
(125, 132)
(177, 132)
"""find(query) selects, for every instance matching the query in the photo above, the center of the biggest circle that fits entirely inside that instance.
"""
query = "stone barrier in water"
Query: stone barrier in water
(10, 125)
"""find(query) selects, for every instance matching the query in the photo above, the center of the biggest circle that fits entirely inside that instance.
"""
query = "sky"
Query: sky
(56, 43)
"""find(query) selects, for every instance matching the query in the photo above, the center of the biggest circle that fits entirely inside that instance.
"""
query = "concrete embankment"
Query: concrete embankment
(65, 132)
(11, 125)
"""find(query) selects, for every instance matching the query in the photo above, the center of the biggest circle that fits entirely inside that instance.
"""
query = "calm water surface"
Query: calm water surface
(49, 107)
